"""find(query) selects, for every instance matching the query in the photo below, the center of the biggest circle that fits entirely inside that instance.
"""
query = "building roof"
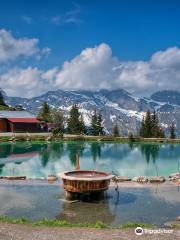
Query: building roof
(16, 114)
(23, 120)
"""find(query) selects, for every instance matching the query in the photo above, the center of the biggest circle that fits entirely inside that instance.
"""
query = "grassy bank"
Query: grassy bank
(66, 137)
(63, 223)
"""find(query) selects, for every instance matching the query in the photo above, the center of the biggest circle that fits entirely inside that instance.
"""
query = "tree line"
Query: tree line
(150, 125)
(74, 124)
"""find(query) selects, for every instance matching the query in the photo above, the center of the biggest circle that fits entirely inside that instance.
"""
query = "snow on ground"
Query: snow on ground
(129, 113)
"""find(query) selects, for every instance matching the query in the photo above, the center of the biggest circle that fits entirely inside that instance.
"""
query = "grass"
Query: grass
(51, 222)
(135, 224)
(176, 226)
(66, 137)
(64, 223)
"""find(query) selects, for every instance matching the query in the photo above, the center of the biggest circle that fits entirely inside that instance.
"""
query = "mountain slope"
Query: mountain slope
(116, 106)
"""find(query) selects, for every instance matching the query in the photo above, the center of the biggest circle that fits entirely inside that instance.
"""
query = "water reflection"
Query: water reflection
(150, 151)
(133, 159)
(86, 212)
(96, 150)
(72, 148)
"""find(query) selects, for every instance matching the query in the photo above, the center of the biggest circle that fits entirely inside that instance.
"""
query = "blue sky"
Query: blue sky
(134, 30)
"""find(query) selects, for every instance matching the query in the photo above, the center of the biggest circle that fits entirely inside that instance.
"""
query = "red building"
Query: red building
(18, 121)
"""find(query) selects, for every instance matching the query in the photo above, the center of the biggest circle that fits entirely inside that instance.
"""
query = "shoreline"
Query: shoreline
(47, 137)
(125, 184)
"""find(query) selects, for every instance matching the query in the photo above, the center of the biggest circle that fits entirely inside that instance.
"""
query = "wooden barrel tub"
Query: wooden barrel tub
(84, 181)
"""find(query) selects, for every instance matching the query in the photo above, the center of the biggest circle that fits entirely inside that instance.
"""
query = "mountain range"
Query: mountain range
(115, 106)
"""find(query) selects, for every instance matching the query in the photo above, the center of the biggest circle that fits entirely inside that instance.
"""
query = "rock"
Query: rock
(140, 179)
(174, 177)
(121, 179)
(14, 177)
(157, 179)
(52, 178)
(178, 218)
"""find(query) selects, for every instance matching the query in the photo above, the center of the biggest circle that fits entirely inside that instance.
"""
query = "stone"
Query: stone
(178, 218)
(141, 179)
(157, 179)
(121, 179)
(52, 178)
(174, 177)
(14, 177)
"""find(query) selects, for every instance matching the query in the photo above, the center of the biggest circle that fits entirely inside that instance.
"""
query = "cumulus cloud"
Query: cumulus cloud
(96, 68)
(27, 82)
(12, 48)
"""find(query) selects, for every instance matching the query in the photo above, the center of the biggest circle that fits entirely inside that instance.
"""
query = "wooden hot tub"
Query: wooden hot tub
(84, 181)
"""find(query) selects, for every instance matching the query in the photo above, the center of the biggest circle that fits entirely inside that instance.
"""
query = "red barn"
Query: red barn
(18, 121)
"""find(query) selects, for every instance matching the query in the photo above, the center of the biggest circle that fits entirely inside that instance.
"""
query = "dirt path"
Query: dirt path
(27, 232)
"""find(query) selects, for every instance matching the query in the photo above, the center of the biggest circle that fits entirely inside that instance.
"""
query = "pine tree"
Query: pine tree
(142, 128)
(82, 125)
(131, 136)
(150, 126)
(75, 122)
(100, 124)
(116, 130)
(172, 131)
(2, 103)
(45, 113)
(58, 120)
(94, 126)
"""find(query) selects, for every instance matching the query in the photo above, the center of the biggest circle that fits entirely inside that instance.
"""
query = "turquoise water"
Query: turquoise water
(41, 159)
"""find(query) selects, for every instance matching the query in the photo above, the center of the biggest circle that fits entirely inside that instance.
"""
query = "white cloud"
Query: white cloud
(96, 68)
(12, 48)
(27, 82)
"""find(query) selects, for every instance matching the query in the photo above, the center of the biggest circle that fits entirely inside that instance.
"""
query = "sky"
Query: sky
(89, 45)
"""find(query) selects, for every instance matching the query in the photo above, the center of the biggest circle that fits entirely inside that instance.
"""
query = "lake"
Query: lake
(38, 160)
(34, 200)
(155, 204)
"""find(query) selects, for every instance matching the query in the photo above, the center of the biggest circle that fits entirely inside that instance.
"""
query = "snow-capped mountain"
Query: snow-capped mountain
(115, 105)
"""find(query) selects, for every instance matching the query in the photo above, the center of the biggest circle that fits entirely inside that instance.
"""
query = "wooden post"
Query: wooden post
(77, 160)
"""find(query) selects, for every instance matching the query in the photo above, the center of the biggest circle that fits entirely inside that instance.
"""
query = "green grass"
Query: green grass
(64, 223)
(135, 224)
(176, 226)
(51, 223)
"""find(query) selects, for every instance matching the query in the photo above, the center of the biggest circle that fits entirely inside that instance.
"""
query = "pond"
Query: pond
(38, 160)
(34, 201)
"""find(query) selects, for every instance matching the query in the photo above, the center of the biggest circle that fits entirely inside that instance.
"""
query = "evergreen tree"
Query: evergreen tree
(100, 125)
(94, 125)
(130, 136)
(150, 126)
(45, 113)
(172, 131)
(142, 128)
(2, 103)
(82, 125)
(116, 130)
(75, 121)
(58, 120)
